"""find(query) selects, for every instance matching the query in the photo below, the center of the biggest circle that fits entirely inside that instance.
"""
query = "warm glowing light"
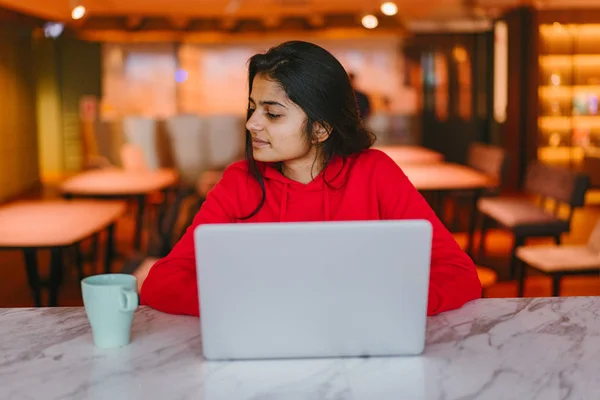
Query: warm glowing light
(389, 8)
(554, 140)
(460, 54)
(78, 12)
(370, 21)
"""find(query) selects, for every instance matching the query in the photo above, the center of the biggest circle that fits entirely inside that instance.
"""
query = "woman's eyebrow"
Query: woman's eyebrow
(268, 103)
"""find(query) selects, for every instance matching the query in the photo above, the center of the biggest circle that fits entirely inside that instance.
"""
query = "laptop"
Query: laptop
(313, 289)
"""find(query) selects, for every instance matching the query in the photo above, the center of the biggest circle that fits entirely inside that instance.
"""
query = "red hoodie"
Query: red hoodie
(368, 186)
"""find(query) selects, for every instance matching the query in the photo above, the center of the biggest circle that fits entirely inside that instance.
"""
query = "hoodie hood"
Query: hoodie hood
(288, 193)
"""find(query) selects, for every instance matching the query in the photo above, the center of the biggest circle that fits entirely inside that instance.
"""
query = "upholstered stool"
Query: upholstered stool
(487, 277)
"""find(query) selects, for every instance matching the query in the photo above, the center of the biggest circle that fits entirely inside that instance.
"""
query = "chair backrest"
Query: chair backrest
(226, 139)
(594, 240)
(133, 158)
(143, 133)
(189, 143)
(160, 241)
(557, 183)
(491, 160)
(188, 210)
(591, 166)
(380, 124)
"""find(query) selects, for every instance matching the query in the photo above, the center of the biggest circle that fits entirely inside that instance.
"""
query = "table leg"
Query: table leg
(141, 203)
(56, 266)
(33, 277)
(79, 263)
(110, 232)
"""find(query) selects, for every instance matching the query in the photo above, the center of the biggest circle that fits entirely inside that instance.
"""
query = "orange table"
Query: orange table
(447, 177)
(55, 225)
(409, 155)
(120, 183)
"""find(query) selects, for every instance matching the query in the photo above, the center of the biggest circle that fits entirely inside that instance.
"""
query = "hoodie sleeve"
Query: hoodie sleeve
(453, 278)
(171, 284)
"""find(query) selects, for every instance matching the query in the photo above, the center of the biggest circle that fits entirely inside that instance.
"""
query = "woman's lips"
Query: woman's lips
(259, 143)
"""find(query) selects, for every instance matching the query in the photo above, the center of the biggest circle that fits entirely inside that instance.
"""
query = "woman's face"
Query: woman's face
(277, 125)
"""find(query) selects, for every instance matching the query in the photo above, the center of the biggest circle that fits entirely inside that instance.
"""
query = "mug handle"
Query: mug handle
(129, 300)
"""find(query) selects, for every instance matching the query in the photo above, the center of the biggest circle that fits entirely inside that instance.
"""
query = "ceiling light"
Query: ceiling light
(389, 8)
(53, 29)
(78, 12)
(370, 21)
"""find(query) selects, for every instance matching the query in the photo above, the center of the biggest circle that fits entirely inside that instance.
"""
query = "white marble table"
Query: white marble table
(522, 349)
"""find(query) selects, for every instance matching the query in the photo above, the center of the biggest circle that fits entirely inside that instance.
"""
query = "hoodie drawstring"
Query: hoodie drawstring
(326, 201)
(283, 208)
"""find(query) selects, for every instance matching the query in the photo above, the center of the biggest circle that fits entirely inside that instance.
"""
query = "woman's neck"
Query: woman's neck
(302, 170)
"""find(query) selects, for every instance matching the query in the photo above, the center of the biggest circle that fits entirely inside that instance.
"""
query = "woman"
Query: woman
(308, 159)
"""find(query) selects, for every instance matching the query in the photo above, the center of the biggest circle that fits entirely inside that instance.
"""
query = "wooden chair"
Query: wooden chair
(560, 260)
(524, 218)
(172, 224)
(492, 161)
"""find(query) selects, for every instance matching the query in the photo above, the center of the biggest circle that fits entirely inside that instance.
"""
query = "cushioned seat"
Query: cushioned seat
(560, 185)
(559, 258)
(486, 276)
(522, 216)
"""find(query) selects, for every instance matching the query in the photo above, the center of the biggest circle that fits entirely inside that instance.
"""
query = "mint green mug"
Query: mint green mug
(110, 300)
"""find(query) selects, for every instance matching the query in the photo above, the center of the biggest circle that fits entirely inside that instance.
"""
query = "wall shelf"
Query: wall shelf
(568, 92)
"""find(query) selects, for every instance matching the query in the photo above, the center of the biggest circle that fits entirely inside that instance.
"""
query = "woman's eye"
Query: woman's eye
(273, 116)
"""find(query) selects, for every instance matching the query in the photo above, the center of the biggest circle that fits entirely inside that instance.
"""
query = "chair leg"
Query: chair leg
(485, 221)
(556, 278)
(472, 223)
(557, 239)
(522, 277)
(455, 213)
(94, 253)
(519, 241)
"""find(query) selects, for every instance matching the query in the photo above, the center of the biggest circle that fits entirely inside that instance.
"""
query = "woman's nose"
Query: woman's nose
(253, 124)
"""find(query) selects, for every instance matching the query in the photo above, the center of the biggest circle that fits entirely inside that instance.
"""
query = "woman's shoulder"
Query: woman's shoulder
(374, 158)
(233, 182)
(237, 167)
(236, 174)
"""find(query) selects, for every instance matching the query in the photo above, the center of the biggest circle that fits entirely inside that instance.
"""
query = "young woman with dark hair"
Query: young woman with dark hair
(308, 158)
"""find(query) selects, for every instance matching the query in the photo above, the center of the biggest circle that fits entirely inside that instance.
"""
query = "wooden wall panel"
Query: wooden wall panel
(18, 139)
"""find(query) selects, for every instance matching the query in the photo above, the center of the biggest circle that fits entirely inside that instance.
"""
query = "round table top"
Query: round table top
(447, 176)
(119, 182)
(55, 223)
(406, 155)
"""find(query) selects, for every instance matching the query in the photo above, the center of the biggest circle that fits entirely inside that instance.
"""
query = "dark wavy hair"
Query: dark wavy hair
(315, 80)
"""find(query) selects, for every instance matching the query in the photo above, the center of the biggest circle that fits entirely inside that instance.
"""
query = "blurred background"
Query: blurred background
(98, 96)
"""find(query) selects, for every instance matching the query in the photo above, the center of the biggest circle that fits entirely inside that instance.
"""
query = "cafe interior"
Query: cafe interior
(119, 117)
(488, 106)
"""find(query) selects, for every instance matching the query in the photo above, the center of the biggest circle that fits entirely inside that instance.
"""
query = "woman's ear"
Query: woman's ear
(321, 132)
